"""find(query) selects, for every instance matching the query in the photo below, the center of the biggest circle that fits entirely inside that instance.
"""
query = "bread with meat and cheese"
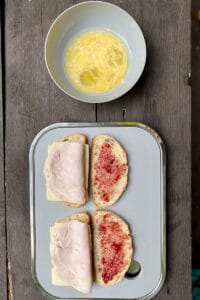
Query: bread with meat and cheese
(70, 249)
(66, 170)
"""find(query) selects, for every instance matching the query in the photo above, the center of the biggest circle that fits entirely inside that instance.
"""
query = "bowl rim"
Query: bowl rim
(107, 99)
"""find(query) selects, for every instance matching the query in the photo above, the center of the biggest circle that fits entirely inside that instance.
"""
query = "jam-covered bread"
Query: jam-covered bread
(112, 247)
(109, 170)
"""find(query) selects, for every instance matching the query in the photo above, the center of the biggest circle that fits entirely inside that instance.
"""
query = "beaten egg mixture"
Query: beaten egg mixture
(96, 61)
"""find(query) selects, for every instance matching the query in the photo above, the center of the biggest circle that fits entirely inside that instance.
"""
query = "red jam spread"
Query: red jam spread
(113, 244)
(109, 171)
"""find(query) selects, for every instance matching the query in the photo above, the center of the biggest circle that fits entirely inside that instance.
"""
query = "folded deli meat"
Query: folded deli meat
(65, 172)
(70, 249)
(67, 166)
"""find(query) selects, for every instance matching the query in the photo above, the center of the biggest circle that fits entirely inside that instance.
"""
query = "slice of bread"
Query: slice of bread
(77, 138)
(112, 247)
(81, 217)
(85, 284)
(109, 170)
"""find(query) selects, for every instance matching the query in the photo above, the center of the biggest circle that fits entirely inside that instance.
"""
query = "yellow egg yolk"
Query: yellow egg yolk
(96, 61)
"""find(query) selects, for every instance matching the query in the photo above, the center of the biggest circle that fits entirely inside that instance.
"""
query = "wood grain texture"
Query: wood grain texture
(195, 134)
(161, 99)
(3, 269)
(32, 102)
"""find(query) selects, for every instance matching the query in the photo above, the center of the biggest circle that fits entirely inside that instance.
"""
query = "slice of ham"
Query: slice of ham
(65, 172)
(70, 255)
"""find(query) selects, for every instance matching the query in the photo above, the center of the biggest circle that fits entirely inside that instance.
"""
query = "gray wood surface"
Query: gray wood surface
(160, 99)
(32, 102)
(195, 133)
(3, 269)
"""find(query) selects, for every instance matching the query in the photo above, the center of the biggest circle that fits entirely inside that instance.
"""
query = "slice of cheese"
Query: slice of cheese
(51, 196)
(54, 277)
(70, 255)
(56, 280)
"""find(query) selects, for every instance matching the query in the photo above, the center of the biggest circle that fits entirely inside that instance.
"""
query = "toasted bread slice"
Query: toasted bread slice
(81, 217)
(109, 170)
(74, 138)
(112, 246)
(82, 276)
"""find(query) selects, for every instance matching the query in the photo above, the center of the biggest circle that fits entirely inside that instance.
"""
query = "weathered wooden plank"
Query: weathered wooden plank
(32, 102)
(3, 269)
(195, 133)
(162, 100)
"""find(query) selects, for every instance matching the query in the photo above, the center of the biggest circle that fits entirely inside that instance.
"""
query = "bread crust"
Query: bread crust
(123, 159)
(75, 137)
(97, 256)
(81, 217)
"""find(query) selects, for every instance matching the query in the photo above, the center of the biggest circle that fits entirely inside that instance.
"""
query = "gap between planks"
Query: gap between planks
(7, 281)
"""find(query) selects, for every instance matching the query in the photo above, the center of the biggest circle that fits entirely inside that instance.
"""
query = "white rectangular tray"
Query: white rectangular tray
(142, 206)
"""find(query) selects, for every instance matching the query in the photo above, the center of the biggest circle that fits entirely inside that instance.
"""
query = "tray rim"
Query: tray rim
(161, 146)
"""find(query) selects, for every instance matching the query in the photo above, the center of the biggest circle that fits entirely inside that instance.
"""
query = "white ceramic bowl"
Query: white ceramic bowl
(87, 16)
